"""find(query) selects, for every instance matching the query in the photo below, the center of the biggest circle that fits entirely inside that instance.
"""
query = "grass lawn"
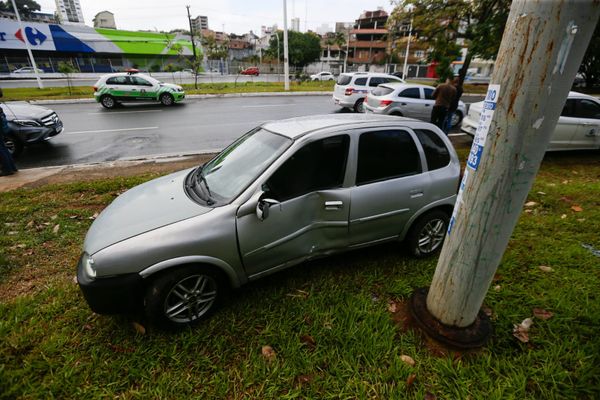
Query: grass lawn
(331, 323)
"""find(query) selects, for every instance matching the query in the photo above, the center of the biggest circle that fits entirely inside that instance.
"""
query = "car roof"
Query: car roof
(577, 95)
(368, 74)
(297, 127)
(126, 74)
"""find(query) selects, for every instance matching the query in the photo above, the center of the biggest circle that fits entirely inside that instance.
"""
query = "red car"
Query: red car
(250, 71)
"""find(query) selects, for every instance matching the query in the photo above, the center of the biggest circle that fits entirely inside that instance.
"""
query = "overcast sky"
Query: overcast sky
(238, 16)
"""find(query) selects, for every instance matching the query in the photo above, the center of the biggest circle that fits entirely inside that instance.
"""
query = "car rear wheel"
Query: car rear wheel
(359, 106)
(184, 296)
(166, 99)
(456, 119)
(108, 101)
(427, 234)
(13, 145)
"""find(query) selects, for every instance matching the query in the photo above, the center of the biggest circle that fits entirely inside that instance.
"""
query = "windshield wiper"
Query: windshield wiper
(200, 177)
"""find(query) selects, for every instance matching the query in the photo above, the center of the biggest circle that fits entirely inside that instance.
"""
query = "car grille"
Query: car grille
(50, 120)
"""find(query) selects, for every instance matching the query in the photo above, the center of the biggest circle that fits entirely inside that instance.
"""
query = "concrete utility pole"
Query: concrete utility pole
(404, 69)
(542, 48)
(26, 40)
(286, 64)
(191, 33)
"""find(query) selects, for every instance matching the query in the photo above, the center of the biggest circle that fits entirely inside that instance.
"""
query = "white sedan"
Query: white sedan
(578, 127)
(322, 76)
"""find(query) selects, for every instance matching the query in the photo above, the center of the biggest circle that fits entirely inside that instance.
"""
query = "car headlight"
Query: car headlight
(88, 265)
(26, 122)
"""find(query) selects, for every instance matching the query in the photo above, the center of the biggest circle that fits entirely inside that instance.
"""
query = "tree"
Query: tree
(590, 66)
(303, 48)
(478, 24)
(67, 68)
(213, 49)
(25, 7)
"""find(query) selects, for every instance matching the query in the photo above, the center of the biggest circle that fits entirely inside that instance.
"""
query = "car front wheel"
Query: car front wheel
(108, 101)
(184, 296)
(166, 99)
(427, 234)
(13, 145)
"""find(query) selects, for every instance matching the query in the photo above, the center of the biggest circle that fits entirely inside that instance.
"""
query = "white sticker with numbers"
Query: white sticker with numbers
(485, 120)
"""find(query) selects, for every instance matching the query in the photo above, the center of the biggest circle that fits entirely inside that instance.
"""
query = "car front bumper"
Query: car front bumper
(35, 134)
(114, 295)
(178, 96)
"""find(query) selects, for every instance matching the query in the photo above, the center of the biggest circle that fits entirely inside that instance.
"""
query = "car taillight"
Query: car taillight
(348, 91)
(383, 103)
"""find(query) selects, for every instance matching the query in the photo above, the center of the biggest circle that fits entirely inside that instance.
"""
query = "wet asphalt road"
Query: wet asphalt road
(93, 134)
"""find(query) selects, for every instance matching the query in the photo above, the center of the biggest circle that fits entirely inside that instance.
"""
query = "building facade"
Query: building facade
(200, 23)
(369, 38)
(69, 12)
(105, 19)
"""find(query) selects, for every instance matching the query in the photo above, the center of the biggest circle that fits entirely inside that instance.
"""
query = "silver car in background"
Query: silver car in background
(578, 127)
(286, 192)
(407, 100)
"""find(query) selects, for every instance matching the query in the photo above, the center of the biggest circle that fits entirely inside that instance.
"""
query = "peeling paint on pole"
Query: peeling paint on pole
(542, 47)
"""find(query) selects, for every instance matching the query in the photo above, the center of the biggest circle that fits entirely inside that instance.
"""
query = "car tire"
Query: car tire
(13, 145)
(397, 114)
(457, 118)
(359, 106)
(426, 236)
(166, 99)
(108, 101)
(184, 296)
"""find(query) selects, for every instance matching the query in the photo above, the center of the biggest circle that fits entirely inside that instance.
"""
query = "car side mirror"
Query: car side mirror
(263, 206)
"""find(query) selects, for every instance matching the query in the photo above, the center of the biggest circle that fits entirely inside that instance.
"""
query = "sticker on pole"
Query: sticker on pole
(485, 120)
(458, 202)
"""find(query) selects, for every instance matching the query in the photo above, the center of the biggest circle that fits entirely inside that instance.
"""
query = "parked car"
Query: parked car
(27, 70)
(352, 88)
(251, 71)
(578, 127)
(131, 86)
(407, 100)
(29, 124)
(322, 76)
(285, 192)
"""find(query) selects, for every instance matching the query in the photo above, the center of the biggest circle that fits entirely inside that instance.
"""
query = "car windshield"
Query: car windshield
(235, 168)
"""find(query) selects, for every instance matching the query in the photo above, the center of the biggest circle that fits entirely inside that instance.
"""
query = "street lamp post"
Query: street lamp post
(404, 71)
(35, 70)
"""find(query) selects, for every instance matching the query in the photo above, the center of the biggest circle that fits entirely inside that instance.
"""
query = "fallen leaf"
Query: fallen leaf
(392, 306)
(304, 379)
(299, 294)
(528, 211)
(327, 325)
(545, 268)
(566, 199)
(430, 396)
(308, 341)
(488, 311)
(94, 216)
(56, 228)
(530, 204)
(542, 314)
(410, 380)
(407, 360)
(30, 224)
(75, 279)
(139, 328)
(12, 233)
(542, 193)
(563, 216)
(580, 219)
(268, 353)
(21, 246)
(565, 182)
(521, 331)
(497, 288)
(575, 172)
(576, 208)
(54, 217)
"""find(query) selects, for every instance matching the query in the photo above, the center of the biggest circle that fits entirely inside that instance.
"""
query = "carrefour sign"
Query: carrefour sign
(38, 36)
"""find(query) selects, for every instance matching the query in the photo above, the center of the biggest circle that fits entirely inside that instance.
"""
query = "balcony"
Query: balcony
(368, 44)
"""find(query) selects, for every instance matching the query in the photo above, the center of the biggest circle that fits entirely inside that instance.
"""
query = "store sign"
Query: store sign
(37, 35)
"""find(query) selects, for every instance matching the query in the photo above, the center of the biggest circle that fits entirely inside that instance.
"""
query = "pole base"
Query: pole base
(470, 337)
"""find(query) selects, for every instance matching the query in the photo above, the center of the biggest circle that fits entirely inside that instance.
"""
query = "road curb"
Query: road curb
(195, 96)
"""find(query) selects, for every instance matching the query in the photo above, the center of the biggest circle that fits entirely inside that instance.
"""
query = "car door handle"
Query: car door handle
(427, 105)
(416, 193)
(402, 104)
(333, 205)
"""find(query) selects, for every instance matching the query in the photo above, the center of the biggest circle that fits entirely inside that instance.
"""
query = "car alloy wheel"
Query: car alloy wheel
(190, 298)
(108, 101)
(427, 234)
(13, 145)
(166, 99)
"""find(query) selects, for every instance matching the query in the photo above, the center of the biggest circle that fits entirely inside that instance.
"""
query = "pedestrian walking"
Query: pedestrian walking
(443, 95)
(6, 160)
(454, 104)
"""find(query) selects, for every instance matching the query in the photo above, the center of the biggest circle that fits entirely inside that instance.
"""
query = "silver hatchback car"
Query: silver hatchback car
(286, 192)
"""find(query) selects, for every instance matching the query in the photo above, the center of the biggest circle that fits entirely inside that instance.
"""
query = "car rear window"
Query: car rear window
(428, 93)
(412, 93)
(435, 149)
(386, 155)
(360, 81)
(382, 90)
(344, 80)
(117, 80)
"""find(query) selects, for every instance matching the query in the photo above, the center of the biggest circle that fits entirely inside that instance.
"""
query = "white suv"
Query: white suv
(351, 88)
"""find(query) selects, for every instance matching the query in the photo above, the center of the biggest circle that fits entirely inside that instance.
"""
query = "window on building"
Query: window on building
(419, 53)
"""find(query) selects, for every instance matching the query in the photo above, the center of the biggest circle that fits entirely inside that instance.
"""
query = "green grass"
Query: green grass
(54, 346)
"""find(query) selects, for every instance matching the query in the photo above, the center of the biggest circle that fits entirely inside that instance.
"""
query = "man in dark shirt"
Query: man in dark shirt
(8, 165)
(444, 95)
(454, 104)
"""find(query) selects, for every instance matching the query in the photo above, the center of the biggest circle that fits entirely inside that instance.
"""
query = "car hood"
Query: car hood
(171, 86)
(24, 110)
(146, 207)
